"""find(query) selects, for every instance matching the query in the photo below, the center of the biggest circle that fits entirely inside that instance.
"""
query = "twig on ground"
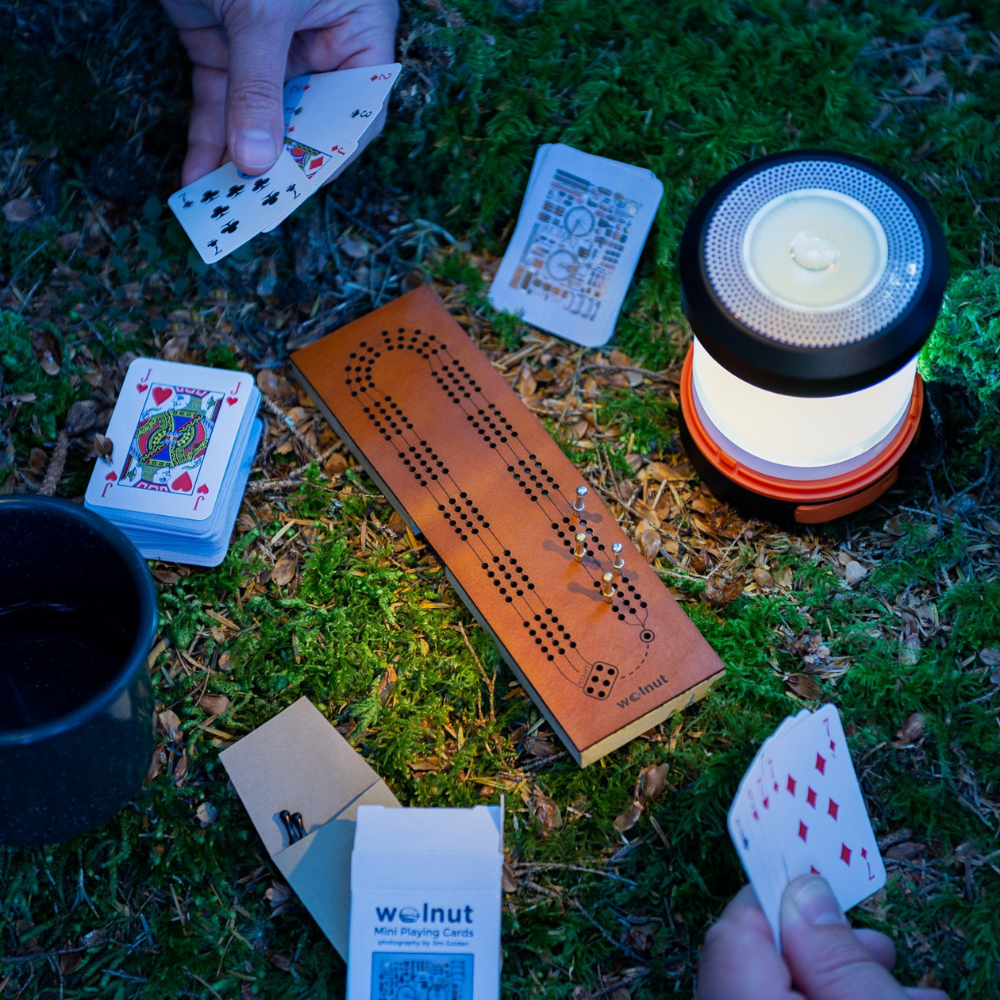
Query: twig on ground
(56, 465)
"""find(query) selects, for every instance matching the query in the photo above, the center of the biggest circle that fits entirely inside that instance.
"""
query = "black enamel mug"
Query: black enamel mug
(77, 619)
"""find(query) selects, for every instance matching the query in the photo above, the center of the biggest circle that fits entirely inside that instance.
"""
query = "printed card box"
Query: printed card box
(298, 762)
(425, 904)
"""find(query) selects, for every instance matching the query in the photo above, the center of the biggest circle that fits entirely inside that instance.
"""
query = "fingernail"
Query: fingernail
(255, 148)
(816, 904)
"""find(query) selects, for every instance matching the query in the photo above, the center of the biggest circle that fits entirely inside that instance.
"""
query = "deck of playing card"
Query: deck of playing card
(326, 116)
(582, 226)
(799, 809)
(183, 439)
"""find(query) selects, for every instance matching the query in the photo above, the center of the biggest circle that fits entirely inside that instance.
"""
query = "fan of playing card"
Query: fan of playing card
(582, 226)
(183, 439)
(326, 116)
(799, 810)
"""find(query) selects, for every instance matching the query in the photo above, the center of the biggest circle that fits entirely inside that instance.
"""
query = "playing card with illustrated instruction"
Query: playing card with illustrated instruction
(579, 235)
(173, 432)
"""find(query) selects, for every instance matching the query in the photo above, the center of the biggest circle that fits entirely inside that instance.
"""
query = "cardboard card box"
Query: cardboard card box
(298, 762)
(425, 904)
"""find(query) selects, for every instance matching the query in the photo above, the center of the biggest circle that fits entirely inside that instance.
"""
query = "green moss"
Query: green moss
(963, 352)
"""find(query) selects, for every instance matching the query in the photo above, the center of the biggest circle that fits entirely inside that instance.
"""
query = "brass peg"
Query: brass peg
(608, 588)
(581, 546)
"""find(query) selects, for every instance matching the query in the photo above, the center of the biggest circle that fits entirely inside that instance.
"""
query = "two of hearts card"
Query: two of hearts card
(183, 440)
(326, 118)
(583, 223)
(799, 810)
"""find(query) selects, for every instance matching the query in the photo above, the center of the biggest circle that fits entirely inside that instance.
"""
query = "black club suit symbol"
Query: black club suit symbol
(209, 196)
(270, 199)
(230, 227)
(261, 183)
(219, 211)
(234, 190)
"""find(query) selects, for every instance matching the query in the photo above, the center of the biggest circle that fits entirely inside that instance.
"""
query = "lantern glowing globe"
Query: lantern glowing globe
(810, 279)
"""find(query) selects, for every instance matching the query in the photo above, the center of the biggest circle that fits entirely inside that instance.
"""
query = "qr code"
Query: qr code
(421, 977)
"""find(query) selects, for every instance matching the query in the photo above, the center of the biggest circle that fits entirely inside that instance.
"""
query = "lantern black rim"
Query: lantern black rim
(810, 371)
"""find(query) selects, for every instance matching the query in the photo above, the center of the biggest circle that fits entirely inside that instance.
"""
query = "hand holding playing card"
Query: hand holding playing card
(243, 52)
(822, 957)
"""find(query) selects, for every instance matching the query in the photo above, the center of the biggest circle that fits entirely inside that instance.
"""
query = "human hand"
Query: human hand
(823, 958)
(244, 50)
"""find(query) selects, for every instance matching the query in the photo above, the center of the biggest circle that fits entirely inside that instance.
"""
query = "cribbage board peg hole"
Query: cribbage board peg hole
(581, 546)
(578, 504)
(618, 560)
(608, 587)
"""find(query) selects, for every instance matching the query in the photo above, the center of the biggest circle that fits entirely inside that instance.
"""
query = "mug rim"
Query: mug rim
(146, 625)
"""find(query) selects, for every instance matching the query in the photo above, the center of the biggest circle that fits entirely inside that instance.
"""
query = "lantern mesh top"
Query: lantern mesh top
(832, 326)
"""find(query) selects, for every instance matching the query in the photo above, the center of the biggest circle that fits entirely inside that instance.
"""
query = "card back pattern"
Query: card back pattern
(469, 466)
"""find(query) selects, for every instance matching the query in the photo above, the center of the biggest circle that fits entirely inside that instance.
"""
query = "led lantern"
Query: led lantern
(810, 279)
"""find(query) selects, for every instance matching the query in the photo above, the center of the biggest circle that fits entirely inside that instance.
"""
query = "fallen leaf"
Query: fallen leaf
(386, 683)
(805, 686)
(335, 465)
(176, 348)
(763, 578)
(156, 764)
(854, 572)
(629, 818)
(648, 515)
(721, 590)
(281, 897)
(426, 764)
(507, 881)
(81, 417)
(103, 446)
(579, 993)
(544, 812)
(649, 544)
(354, 247)
(526, 384)
(906, 851)
(47, 351)
(991, 525)
(285, 569)
(929, 981)
(990, 656)
(640, 938)
(20, 209)
(171, 724)
(653, 780)
(213, 704)
(38, 461)
(912, 730)
(206, 814)
(930, 82)
(67, 241)
(278, 960)
(181, 771)
(166, 576)
(267, 382)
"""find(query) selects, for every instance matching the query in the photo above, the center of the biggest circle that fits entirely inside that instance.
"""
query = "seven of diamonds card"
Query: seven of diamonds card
(173, 431)
(799, 810)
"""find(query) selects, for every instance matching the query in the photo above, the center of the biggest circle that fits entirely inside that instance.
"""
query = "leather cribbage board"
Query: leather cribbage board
(466, 464)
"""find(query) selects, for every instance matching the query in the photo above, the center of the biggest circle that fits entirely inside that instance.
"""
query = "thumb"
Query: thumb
(826, 959)
(258, 52)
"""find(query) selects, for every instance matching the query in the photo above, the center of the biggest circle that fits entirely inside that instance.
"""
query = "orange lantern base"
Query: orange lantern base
(802, 501)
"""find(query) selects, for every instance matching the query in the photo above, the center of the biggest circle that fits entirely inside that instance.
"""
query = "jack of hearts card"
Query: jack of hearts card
(173, 431)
